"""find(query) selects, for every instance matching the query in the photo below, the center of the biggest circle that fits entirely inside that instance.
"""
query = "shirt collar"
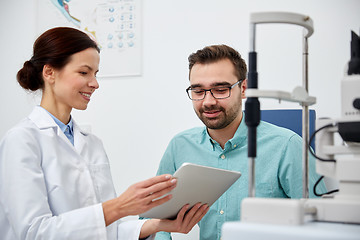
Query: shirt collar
(239, 138)
(62, 126)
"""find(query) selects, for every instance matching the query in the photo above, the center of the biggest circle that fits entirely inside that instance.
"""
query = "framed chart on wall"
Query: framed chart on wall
(114, 24)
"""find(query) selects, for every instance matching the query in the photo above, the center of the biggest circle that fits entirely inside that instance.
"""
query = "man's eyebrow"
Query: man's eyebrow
(216, 84)
(221, 84)
(195, 85)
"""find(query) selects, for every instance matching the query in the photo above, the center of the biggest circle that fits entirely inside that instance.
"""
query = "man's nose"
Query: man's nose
(209, 99)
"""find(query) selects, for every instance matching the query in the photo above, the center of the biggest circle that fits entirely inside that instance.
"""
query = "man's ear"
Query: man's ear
(243, 88)
(48, 73)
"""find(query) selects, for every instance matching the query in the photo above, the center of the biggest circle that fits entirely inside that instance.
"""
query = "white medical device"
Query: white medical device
(299, 94)
(340, 162)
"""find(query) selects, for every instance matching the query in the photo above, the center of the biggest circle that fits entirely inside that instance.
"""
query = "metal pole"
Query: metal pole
(252, 37)
(252, 109)
(305, 123)
(251, 177)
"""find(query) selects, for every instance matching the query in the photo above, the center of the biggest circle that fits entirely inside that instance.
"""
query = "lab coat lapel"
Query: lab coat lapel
(79, 138)
(43, 121)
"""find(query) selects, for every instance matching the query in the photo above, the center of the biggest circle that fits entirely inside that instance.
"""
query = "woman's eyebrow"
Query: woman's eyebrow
(87, 66)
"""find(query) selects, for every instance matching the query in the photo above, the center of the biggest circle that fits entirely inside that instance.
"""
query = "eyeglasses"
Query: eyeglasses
(197, 94)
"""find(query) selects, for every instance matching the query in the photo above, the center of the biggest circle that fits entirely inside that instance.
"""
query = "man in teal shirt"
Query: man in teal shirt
(217, 86)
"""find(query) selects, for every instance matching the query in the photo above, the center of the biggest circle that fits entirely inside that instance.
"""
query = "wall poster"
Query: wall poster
(114, 24)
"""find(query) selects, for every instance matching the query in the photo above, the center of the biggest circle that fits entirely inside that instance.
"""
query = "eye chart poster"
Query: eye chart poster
(114, 24)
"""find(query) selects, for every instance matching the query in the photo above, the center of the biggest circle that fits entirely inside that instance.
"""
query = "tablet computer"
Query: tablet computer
(195, 184)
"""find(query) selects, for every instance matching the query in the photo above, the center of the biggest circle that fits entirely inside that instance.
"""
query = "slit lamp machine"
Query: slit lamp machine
(333, 216)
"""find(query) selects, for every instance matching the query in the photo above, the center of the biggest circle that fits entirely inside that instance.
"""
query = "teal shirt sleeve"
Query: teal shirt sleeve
(167, 163)
(313, 178)
(290, 170)
(163, 236)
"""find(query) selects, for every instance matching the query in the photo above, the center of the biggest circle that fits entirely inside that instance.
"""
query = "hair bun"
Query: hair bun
(28, 77)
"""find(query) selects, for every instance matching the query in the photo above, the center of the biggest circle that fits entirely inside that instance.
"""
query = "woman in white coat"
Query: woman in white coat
(55, 180)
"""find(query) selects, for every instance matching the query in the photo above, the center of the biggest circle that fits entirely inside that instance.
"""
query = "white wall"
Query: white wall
(137, 116)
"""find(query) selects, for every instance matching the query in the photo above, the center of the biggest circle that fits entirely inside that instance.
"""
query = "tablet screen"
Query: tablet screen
(195, 184)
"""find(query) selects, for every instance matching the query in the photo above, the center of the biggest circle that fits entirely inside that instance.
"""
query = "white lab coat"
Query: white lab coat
(50, 189)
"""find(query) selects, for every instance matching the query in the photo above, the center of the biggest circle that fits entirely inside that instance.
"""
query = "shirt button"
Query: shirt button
(222, 212)
(223, 156)
(235, 145)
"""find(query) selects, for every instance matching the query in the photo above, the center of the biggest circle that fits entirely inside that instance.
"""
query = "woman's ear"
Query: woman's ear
(243, 88)
(48, 73)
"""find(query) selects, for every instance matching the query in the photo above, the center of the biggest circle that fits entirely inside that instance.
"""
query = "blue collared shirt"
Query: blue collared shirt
(278, 169)
(66, 129)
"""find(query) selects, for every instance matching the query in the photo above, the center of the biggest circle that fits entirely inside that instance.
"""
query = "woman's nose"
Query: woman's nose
(94, 83)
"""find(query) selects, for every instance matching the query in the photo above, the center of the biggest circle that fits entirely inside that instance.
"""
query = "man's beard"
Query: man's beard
(222, 120)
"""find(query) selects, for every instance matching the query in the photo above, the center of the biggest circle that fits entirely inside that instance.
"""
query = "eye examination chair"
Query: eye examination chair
(290, 119)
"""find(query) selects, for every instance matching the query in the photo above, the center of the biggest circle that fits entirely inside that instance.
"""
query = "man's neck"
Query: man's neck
(223, 135)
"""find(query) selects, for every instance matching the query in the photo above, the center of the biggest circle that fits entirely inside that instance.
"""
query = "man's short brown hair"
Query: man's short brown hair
(214, 53)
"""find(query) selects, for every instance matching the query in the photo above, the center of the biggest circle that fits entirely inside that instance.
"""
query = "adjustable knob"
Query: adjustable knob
(356, 103)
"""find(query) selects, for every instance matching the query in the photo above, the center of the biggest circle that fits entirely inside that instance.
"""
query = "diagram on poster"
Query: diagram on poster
(114, 24)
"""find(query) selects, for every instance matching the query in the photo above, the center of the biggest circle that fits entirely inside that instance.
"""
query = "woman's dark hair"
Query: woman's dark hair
(214, 53)
(53, 47)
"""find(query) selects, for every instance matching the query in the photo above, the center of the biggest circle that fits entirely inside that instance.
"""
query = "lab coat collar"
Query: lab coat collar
(43, 120)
